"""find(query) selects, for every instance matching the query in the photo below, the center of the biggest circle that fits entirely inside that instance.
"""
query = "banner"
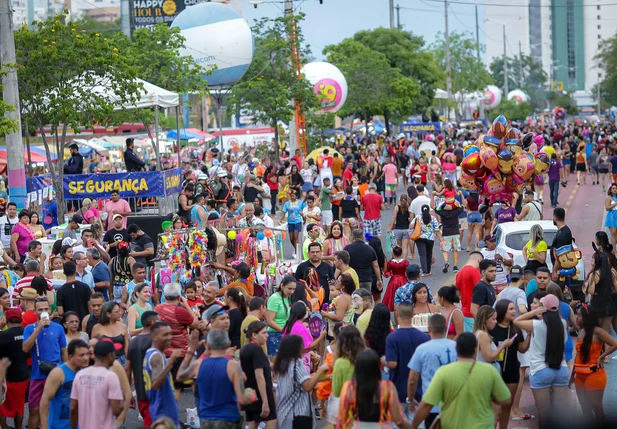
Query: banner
(421, 127)
(148, 13)
(130, 185)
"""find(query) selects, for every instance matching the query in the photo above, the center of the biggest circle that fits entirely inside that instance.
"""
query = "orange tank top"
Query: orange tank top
(580, 158)
(594, 353)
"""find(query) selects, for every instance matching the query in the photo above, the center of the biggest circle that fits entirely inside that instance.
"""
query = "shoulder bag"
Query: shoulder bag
(417, 229)
(301, 422)
(437, 422)
(44, 367)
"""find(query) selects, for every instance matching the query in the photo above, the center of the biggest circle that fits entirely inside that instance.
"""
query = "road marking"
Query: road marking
(571, 196)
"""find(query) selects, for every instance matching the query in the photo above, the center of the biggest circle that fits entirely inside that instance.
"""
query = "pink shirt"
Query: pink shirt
(92, 213)
(93, 388)
(25, 236)
(390, 172)
(302, 331)
(121, 206)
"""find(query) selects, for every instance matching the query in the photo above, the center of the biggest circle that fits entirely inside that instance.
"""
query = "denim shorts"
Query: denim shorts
(474, 217)
(548, 377)
(400, 234)
(294, 227)
(273, 342)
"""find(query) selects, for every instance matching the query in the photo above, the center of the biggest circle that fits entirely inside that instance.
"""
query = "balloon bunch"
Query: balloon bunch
(198, 248)
(502, 162)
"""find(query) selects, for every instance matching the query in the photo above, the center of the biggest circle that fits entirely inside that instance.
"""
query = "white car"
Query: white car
(512, 237)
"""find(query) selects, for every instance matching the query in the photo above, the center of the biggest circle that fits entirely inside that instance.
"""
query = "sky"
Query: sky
(335, 20)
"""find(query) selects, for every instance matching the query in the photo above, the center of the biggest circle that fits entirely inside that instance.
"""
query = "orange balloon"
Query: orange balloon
(268, 232)
(246, 232)
(284, 235)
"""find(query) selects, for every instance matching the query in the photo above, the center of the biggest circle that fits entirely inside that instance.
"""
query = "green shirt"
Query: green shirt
(341, 372)
(280, 307)
(471, 408)
(324, 197)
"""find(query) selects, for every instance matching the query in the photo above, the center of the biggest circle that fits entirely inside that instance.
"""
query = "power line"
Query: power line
(458, 19)
(521, 5)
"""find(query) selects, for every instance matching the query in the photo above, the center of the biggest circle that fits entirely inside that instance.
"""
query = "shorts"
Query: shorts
(174, 372)
(273, 342)
(511, 375)
(400, 234)
(580, 166)
(474, 217)
(326, 217)
(220, 424)
(351, 221)
(255, 416)
(451, 243)
(144, 410)
(549, 377)
(463, 224)
(294, 227)
(390, 190)
(35, 393)
(15, 399)
(602, 170)
(591, 382)
(565, 161)
(366, 285)
(333, 409)
(374, 289)
(373, 227)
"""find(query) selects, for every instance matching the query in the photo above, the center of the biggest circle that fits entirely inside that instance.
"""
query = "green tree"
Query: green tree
(7, 125)
(69, 77)
(607, 62)
(510, 109)
(107, 29)
(270, 86)
(408, 53)
(318, 122)
(527, 75)
(565, 101)
(155, 53)
(468, 73)
(375, 87)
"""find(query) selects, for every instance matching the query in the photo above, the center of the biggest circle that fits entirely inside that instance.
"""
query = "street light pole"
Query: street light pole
(505, 63)
(391, 14)
(448, 69)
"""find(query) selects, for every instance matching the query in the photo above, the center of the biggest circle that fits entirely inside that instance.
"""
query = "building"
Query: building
(600, 24)
(516, 22)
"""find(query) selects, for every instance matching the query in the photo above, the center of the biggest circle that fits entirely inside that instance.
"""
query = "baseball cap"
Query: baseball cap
(68, 241)
(221, 173)
(214, 311)
(116, 215)
(202, 176)
(550, 302)
(13, 314)
(490, 237)
(516, 272)
(400, 136)
(413, 270)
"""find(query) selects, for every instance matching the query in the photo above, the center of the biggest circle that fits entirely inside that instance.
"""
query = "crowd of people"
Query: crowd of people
(85, 327)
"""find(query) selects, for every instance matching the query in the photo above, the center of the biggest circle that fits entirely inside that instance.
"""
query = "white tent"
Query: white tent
(151, 95)
(92, 145)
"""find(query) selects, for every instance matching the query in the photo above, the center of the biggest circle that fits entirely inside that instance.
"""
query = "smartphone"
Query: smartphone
(514, 337)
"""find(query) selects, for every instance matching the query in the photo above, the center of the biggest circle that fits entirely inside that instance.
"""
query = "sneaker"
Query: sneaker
(445, 268)
(455, 269)
(293, 255)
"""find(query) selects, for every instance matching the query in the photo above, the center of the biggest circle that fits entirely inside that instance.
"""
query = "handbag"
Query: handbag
(417, 230)
(44, 367)
(437, 422)
(301, 422)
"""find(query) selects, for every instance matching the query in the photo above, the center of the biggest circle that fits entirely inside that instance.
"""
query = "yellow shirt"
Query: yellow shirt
(245, 324)
(363, 320)
(354, 276)
(541, 247)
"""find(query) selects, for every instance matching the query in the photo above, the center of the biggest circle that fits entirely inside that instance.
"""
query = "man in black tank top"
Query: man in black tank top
(96, 302)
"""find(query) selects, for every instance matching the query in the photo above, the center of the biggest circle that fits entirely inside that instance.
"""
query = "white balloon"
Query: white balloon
(492, 97)
(518, 96)
(216, 36)
(329, 83)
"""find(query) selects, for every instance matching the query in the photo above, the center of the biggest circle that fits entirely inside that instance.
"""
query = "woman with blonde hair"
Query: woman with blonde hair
(485, 321)
(535, 249)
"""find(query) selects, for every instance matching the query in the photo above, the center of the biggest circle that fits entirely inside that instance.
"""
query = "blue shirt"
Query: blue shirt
(162, 400)
(400, 347)
(532, 286)
(130, 287)
(217, 398)
(404, 293)
(50, 209)
(60, 404)
(100, 273)
(293, 210)
(429, 356)
(51, 341)
(86, 278)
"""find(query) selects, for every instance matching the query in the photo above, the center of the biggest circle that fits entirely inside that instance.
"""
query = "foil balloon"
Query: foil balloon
(494, 188)
(541, 163)
(513, 141)
(527, 140)
(489, 158)
(505, 160)
(549, 150)
(492, 143)
(499, 127)
(472, 148)
(522, 168)
(468, 182)
(472, 164)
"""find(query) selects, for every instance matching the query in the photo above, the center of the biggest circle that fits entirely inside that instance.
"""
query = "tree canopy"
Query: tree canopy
(526, 74)
(607, 62)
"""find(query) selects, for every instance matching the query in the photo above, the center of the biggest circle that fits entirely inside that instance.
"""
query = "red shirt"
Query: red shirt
(179, 318)
(466, 280)
(372, 205)
(347, 176)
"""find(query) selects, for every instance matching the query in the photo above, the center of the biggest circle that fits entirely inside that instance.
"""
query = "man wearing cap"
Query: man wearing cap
(221, 188)
(75, 164)
(116, 206)
(217, 317)
(115, 235)
(18, 374)
(372, 203)
(202, 184)
(405, 292)
(501, 258)
(69, 231)
(27, 298)
(131, 160)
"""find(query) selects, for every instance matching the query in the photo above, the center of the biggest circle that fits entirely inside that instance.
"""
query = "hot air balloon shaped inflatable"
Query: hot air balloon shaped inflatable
(328, 83)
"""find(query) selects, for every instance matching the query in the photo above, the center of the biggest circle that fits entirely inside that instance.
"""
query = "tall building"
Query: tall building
(568, 25)
(600, 24)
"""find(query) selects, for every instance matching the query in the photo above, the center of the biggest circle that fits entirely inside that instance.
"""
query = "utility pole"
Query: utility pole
(477, 34)
(391, 14)
(398, 16)
(599, 97)
(505, 63)
(14, 144)
(125, 19)
(448, 69)
(520, 64)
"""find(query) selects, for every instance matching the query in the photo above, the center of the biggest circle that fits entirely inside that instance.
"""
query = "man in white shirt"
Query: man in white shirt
(265, 219)
(7, 222)
(239, 170)
(421, 199)
(501, 258)
(250, 219)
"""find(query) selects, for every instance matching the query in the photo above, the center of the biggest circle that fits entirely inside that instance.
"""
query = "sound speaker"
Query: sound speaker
(150, 224)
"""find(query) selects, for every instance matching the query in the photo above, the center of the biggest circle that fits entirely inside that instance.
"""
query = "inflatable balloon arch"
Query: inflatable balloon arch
(503, 161)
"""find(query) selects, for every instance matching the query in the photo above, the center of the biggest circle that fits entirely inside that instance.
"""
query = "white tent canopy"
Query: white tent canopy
(150, 96)
(92, 145)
